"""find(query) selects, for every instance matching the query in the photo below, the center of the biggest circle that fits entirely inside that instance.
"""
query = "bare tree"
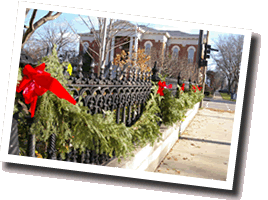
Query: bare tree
(44, 39)
(33, 26)
(215, 79)
(104, 32)
(228, 59)
(172, 66)
(210, 77)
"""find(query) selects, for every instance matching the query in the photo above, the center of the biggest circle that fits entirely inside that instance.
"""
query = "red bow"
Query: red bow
(162, 85)
(193, 87)
(199, 88)
(182, 87)
(36, 82)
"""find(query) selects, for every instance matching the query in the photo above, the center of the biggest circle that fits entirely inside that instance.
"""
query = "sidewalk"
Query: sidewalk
(217, 96)
(203, 148)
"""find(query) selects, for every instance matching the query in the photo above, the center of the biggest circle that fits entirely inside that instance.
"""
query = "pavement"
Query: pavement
(218, 103)
(203, 149)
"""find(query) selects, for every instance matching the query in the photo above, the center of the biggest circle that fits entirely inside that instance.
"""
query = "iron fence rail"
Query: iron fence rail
(123, 91)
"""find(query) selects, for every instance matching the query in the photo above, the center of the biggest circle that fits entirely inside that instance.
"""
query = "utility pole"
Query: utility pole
(136, 45)
(103, 45)
(199, 52)
(205, 69)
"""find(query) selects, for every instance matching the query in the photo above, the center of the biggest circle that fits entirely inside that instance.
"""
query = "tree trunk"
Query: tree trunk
(229, 86)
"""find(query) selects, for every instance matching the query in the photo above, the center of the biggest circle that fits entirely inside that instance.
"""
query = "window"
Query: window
(175, 51)
(191, 51)
(148, 45)
(123, 43)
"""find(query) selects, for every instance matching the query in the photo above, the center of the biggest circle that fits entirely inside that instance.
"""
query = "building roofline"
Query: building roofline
(166, 33)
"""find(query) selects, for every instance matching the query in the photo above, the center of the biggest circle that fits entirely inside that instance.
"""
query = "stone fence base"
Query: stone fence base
(149, 157)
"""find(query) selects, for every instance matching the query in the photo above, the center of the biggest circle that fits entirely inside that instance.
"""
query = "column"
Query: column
(112, 51)
(136, 41)
(107, 58)
(130, 47)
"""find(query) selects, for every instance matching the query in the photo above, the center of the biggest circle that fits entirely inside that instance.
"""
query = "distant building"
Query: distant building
(178, 44)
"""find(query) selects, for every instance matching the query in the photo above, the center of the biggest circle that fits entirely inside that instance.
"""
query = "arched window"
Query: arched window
(85, 47)
(175, 51)
(148, 45)
(191, 51)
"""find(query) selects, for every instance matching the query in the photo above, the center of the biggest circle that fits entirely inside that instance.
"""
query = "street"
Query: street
(218, 103)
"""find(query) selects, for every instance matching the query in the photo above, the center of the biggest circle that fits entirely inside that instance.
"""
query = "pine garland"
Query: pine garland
(74, 126)
(146, 129)
(173, 109)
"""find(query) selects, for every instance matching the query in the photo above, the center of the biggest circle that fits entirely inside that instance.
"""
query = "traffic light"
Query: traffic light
(203, 62)
(207, 51)
(205, 54)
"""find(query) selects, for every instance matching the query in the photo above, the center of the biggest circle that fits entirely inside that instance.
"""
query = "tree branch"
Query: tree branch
(40, 22)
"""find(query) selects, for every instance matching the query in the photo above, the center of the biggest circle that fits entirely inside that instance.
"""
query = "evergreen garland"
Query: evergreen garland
(173, 109)
(146, 129)
(74, 126)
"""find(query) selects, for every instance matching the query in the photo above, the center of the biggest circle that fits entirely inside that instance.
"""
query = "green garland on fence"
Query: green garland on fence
(173, 109)
(74, 126)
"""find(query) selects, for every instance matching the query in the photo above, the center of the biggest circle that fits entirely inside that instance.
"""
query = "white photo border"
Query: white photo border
(10, 96)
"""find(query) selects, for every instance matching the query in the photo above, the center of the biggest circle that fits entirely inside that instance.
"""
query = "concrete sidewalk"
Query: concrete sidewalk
(203, 148)
(217, 96)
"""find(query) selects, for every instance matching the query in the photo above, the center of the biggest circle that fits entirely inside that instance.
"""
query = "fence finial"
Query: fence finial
(143, 76)
(92, 67)
(110, 71)
(102, 71)
(179, 78)
(118, 73)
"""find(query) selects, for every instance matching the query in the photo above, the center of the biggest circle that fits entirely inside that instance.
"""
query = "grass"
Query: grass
(209, 96)
(226, 96)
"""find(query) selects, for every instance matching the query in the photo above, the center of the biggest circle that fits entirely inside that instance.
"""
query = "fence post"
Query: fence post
(31, 145)
(179, 79)
(52, 147)
(31, 139)
(155, 70)
(14, 139)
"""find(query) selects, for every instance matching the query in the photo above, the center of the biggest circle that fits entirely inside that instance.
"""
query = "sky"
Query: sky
(79, 27)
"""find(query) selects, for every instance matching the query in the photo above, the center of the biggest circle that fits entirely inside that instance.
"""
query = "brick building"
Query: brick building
(175, 43)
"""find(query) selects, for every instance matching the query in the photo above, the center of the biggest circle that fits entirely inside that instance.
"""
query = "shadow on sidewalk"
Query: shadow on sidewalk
(203, 140)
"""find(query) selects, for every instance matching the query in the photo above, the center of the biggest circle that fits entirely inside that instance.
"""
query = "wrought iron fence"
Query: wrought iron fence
(128, 88)
(124, 91)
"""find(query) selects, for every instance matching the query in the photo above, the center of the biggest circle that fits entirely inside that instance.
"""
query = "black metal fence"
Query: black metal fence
(125, 91)
(128, 88)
